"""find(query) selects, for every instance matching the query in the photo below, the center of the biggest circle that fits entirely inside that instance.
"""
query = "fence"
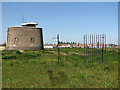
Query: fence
(95, 44)
(94, 49)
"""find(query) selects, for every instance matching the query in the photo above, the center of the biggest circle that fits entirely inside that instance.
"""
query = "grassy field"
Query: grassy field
(40, 69)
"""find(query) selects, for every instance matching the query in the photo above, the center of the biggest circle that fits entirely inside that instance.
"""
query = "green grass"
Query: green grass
(40, 69)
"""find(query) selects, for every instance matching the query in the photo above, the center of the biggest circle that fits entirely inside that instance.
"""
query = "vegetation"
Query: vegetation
(40, 69)
(67, 42)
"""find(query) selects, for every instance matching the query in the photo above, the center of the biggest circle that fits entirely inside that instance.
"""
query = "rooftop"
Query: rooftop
(31, 24)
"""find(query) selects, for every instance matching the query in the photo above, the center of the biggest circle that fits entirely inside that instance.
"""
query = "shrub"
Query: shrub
(18, 52)
(38, 54)
(66, 52)
(106, 68)
(49, 52)
(8, 57)
(77, 51)
(74, 54)
(27, 56)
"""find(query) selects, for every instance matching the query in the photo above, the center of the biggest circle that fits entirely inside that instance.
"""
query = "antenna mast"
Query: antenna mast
(23, 19)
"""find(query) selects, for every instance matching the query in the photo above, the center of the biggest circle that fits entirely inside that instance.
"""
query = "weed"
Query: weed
(9, 63)
(48, 52)
(106, 68)
(18, 52)
(38, 69)
(74, 54)
(115, 62)
(9, 57)
(34, 61)
(66, 52)
(76, 64)
(43, 62)
(76, 50)
(81, 77)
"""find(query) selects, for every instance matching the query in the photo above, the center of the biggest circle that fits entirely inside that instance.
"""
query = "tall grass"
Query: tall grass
(35, 69)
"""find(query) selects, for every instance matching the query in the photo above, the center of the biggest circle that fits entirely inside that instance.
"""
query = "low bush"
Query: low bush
(8, 57)
(18, 52)
(74, 54)
(48, 52)
(66, 52)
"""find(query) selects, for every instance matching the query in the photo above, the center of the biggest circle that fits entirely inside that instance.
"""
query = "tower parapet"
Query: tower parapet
(29, 24)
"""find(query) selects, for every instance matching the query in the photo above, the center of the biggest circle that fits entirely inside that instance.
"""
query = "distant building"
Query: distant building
(50, 45)
(25, 37)
(65, 46)
(2, 46)
(112, 46)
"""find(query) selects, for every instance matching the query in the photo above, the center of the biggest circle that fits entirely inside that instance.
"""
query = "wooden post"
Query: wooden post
(105, 43)
(84, 49)
(100, 40)
(94, 47)
(58, 47)
(102, 45)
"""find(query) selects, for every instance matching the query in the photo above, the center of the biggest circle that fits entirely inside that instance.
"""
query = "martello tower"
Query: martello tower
(25, 37)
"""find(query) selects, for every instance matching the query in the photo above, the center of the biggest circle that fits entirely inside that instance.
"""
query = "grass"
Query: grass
(40, 69)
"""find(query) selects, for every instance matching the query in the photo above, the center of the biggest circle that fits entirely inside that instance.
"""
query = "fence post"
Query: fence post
(98, 47)
(102, 45)
(94, 46)
(58, 47)
(105, 43)
(100, 41)
(84, 49)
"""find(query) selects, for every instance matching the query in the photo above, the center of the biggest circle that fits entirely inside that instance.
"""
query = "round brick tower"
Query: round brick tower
(25, 37)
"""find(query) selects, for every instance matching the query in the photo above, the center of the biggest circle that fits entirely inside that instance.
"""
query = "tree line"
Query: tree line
(60, 42)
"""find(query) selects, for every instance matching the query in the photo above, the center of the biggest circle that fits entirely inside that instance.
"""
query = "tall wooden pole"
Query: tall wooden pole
(96, 45)
(90, 43)
(100, 40)
(90, 40)
(92, 46)
(58, 47)
(84, 49)
(105, 43)
(102, 45)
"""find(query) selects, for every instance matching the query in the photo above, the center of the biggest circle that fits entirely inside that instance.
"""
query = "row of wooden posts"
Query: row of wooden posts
(90, 41)
(95, 42)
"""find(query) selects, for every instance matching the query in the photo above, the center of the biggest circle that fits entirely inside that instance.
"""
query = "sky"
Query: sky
(71, 20)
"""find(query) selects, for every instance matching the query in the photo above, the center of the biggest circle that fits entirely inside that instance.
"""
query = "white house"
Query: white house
(65, 46)
(48, 46)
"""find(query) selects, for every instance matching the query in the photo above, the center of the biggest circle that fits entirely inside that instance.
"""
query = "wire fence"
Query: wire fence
(96, 44)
